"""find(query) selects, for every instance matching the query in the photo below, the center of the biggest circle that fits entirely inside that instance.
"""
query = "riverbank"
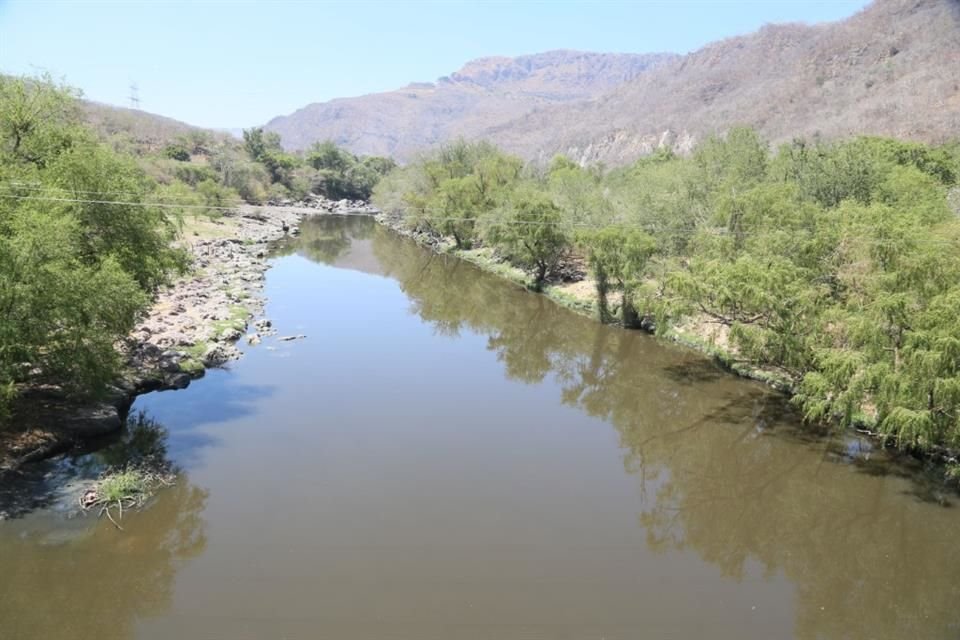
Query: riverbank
(577, 292)
(194, 324)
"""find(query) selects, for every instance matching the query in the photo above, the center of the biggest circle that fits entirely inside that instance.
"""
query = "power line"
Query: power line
(118, 202)
(41, 188)
(719, 233)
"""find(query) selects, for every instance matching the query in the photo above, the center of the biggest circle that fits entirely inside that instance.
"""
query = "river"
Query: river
(447, 456)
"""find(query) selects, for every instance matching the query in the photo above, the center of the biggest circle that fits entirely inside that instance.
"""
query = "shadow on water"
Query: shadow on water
(692, 373)
(56, 484)
(233, 401)
(112, 578)
(108, 579)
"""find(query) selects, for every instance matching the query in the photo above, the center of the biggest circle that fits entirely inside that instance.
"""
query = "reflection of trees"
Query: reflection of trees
(98, 584)
(144, 440)
(325, 238)
(867, 560)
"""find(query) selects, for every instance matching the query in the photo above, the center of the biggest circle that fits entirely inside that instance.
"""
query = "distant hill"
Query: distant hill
(892, 69)
(147, 131)
(484, 93)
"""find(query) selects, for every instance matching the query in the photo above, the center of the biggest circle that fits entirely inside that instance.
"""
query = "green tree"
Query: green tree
(177, 151)
(81, 247)
(618, 257)
(529, 231)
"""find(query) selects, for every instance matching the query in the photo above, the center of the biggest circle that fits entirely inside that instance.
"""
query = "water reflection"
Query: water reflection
(81, 577)
(328, 238)
(55, 483)
(722, 467)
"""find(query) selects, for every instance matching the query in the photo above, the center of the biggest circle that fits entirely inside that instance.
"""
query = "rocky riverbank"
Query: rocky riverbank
(195, 324)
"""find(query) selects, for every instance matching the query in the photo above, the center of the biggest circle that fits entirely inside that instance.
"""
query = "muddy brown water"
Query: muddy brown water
(447, 456)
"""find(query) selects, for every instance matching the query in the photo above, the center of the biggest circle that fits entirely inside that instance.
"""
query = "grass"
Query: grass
(236, 321)
(486, 260)
(127, 488)
(196, 351)
(730, 362)
(203, 227)
(580, 305)
(192, 365)
(130, 484)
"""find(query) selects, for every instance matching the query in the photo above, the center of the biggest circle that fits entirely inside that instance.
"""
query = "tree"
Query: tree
(75, 270)
(38, 118)
(327, 155)
(529, 231)
(177, 151)
(579, 193)
(618, 256)
(454, 208)
(259, 143)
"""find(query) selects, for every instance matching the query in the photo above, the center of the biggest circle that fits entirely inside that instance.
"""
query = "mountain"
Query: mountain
(892, 69)
(484, 93)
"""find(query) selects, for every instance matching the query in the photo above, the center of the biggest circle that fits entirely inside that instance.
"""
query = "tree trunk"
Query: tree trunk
(602, 287)
(628, 313)
(541, 276)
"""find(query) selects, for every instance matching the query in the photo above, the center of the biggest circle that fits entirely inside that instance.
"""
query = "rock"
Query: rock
(215, 355)
(263, 323)
(149, 382)
(170, 365)
(230, 335)
(182, 340)
(178, 381)
(94, 421)
(253, 339)
(119, 396)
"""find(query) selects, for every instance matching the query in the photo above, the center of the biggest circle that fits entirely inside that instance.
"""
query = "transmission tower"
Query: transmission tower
(134, 96)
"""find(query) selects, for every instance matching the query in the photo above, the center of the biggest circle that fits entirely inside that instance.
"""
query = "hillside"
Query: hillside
(892, 69)
(484, 93)
(146, 131)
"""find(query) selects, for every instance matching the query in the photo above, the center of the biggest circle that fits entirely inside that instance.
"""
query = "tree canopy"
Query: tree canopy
(81, 247)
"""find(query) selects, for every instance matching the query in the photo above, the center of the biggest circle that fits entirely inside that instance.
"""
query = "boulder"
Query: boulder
(231, 335)
(178, 381)
(96, 420)
(170, 365)
(215, 355)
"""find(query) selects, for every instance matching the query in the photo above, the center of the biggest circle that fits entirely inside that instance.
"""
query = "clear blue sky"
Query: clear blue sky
(234, 64)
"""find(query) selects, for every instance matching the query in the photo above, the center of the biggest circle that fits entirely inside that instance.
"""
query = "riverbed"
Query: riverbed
(445, 455)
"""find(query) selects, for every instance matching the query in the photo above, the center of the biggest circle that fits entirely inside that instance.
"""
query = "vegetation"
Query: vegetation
(835, 265)
(81, 246)
(134, 469)
(89, 222)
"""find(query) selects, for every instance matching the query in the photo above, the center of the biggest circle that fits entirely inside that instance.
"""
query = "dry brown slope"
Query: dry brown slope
(892, 69)
(483, 93)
